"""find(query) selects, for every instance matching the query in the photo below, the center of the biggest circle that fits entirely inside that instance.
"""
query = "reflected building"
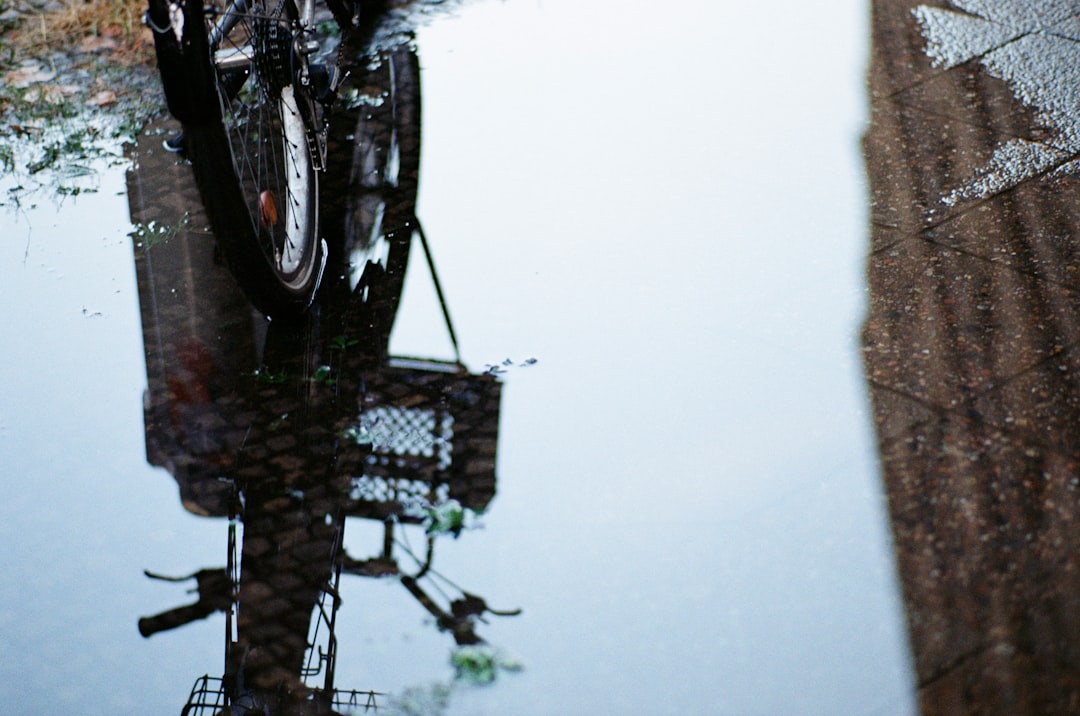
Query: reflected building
(289, 430)
(972, 357)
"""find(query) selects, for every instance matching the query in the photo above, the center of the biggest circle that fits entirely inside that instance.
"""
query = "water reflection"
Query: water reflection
(971, 353)
(289, 429)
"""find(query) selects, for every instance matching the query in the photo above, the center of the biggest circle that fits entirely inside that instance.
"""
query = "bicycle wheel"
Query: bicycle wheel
(378, 204)
(232, 75)
(384, 176)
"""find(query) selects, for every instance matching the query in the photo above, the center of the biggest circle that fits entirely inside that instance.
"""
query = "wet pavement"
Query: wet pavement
(970, 344)
(743, 417)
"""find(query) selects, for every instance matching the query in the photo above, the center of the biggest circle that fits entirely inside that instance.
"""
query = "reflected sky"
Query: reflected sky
(667, 212)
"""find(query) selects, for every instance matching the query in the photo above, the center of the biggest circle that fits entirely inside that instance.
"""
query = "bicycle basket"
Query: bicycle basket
(208, 698)
(429, 432)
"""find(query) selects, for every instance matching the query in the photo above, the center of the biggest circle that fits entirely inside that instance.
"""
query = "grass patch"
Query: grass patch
(147, 236)
(77, 82)
(112, 27)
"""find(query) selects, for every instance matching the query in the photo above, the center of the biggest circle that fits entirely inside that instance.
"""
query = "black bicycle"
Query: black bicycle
(253, 83)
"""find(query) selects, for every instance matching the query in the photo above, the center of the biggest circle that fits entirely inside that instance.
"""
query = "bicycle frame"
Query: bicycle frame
(242, 57)
(235, 60)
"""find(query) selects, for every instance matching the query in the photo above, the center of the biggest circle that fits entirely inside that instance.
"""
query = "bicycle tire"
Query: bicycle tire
(247, 131)
(376, 216)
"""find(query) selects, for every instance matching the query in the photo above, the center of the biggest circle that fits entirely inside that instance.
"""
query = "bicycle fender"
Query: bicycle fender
(183, 58)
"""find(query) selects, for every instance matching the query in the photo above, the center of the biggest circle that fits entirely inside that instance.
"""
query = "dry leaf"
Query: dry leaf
(27, 75)
(96, 44)
(52, 94)
(102, 99)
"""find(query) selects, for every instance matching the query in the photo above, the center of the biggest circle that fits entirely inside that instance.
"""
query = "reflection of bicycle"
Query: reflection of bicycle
(253, 83)
(419, 455)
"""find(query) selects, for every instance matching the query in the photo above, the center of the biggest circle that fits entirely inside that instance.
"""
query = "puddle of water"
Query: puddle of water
(667, 215)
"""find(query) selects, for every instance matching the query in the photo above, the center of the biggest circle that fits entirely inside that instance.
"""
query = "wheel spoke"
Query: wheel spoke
(268, 137)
